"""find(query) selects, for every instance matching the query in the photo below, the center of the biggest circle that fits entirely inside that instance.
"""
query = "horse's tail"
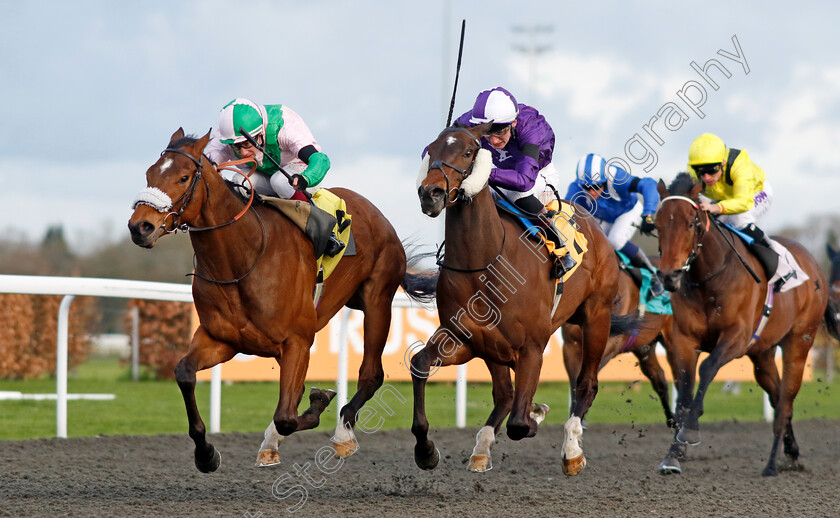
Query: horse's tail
(625, 324)
(420, 286)
(832, 321)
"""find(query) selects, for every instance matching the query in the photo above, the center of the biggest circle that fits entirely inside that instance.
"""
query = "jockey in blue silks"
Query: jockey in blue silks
(620, 203)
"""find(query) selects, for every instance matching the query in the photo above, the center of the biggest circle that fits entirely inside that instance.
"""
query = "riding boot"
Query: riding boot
(640, 260)
(334, 246)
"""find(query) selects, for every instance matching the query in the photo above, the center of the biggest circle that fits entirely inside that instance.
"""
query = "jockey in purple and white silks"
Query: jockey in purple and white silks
(620, 203)
(521, 143)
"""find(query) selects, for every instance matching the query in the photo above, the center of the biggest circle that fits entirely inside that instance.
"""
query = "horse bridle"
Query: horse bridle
(698, 225)
(465, 173)
(188, 195)
(187, 198)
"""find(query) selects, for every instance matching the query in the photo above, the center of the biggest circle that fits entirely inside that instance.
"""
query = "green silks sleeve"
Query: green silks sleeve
(318, 166)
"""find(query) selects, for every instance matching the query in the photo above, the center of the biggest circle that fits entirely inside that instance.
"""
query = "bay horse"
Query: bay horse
(495, 298)
(717, 305)
(642, 343)
(253, 289)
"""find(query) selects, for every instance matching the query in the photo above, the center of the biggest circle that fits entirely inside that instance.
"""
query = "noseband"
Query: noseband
(465, 173)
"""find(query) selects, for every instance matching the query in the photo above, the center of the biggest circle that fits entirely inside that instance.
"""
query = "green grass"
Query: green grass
(156, 407)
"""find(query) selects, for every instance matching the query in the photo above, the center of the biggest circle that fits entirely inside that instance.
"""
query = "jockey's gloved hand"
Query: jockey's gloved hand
(647, 225)
(301, 182)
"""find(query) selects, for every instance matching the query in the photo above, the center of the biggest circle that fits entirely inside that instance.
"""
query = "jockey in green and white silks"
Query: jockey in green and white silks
(283, 135)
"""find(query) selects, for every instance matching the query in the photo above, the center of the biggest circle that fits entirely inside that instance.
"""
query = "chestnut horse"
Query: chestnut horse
(495, 298)
(717, 305)
(253, 289)
(642, 343)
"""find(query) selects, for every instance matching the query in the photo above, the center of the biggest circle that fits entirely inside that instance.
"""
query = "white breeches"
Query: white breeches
(547, 176)
(624, 227)
(763, 201)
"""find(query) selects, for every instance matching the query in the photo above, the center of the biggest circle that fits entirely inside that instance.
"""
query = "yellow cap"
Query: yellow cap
(706, 149)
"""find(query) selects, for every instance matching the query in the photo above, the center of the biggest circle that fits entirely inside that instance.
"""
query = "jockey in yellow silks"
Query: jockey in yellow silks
(736, 188)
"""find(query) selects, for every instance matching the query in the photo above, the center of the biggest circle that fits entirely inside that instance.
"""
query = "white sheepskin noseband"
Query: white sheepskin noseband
(424, 170)
(154, 198)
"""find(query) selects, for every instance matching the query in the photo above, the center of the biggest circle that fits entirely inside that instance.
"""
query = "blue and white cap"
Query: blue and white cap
(591, 170)
(497, 105)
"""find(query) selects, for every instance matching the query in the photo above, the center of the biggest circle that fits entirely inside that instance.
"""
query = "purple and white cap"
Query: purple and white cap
(497, 105)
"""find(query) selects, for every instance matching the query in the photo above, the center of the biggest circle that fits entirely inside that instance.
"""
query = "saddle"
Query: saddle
(318, 221)
(571, 242)
(642, 278)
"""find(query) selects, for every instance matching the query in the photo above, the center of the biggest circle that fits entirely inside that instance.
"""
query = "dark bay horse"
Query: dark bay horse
(253, 289)
(717, 305)
(495, 298)
(642, 343)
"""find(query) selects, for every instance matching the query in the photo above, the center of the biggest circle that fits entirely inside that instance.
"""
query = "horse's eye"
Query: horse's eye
(184, 179)
(469, 153)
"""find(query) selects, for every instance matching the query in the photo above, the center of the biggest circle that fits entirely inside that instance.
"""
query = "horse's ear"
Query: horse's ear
(663, 191)
(179, 134)
(832, 253)
(202, 142)
(695, 191)
(481, 129)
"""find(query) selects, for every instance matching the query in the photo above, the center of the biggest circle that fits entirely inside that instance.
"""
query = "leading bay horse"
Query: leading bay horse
(253, 289)
(717, 305)
(495, 298)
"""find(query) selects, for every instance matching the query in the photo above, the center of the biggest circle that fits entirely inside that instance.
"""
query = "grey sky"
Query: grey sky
(93, 90)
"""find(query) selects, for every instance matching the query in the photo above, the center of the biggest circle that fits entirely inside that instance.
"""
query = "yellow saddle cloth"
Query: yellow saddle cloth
(330, 214)
(576, 244)
(335, 206)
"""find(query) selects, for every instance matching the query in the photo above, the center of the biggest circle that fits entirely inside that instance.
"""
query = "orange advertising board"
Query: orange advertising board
(410, 327)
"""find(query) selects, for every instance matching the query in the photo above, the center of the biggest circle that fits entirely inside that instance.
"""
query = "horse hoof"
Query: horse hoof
(769, 472)
(324, 395)
(211, 465)
(688, 436)
(518, 432)
(426, 462)
(480, 464)
(266, 458)
(345, 449)
(670, 466)
(573, 466)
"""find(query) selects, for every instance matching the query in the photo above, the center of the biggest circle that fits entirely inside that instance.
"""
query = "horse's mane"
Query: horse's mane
(682, 184)
(183, 141)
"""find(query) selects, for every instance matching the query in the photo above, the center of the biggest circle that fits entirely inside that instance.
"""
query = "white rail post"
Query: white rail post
(61, 367)
(343, 361)
(461, 397)
(215, 398)
(135, 343)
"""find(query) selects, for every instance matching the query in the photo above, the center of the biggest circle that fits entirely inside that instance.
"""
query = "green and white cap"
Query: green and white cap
(241, 113)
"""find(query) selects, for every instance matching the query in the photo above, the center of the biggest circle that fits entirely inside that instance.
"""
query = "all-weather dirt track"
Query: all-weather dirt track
(155, 476)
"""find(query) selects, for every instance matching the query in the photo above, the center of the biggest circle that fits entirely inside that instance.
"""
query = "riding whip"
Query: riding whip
(254, 143)
(457, 73)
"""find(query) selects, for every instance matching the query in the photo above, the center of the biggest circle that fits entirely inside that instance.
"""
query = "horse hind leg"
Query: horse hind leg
(377, 322)
(269, 453)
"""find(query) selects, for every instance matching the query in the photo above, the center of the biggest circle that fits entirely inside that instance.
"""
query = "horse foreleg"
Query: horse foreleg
(423, 365)
(269, 453)
(480, 459)
(204, 352)
(528, 366)
(293, 362)
(723, 353)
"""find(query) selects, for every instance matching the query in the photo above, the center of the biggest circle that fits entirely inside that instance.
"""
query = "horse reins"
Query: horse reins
(189, 196)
